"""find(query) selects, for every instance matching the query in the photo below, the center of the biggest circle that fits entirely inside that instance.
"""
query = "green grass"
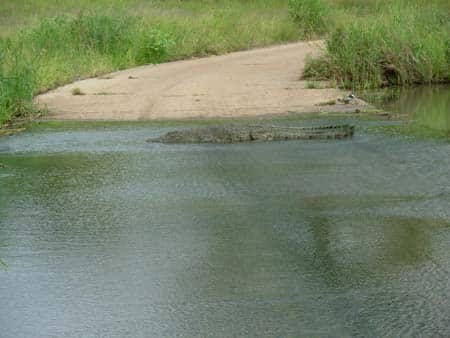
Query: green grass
(309, 15)
(44, 45)
(384, 43)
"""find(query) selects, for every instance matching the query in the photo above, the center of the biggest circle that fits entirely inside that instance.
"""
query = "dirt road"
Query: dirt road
(250, 83)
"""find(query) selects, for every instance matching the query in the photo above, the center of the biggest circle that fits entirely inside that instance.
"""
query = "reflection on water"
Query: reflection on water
(427, 106)
(2, 263)
(107, 235)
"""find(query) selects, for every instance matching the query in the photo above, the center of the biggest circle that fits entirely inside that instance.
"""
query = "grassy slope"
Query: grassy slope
(44, 45)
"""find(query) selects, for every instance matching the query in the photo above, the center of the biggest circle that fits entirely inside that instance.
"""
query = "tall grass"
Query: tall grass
(399, 43)
(310, 15)
(17, 81)
(43, 45)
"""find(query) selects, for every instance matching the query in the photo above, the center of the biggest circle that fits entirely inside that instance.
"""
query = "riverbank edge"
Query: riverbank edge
(38, 121)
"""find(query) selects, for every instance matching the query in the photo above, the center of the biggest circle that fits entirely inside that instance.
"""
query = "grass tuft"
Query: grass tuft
(77, 91)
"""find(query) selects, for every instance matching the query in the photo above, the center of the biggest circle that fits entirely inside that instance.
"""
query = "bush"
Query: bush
(402, 44)
(151, 46)
(310, 15)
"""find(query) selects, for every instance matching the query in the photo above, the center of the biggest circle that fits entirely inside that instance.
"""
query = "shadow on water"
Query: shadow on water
(355, 255)
(345, 244)
(399, 240)
(352, 246)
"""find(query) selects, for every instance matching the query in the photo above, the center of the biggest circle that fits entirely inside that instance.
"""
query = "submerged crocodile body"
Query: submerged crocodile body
(236, 134)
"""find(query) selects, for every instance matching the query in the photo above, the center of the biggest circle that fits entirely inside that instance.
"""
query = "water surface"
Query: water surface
(424, 108)
(106, 235)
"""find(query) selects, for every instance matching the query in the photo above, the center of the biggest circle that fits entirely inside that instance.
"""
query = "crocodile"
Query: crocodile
(252, 133)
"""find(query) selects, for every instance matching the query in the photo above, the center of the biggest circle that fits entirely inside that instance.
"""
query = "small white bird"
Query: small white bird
(350, 98)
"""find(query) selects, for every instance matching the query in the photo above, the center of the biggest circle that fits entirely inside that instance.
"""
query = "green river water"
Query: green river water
(105, 235)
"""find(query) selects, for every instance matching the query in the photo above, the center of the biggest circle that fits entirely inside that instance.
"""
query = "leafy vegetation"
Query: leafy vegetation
(44, 45)
(395, 43)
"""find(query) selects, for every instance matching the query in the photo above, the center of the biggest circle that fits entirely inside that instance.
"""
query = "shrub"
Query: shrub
(151, 46)
(405, 43)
